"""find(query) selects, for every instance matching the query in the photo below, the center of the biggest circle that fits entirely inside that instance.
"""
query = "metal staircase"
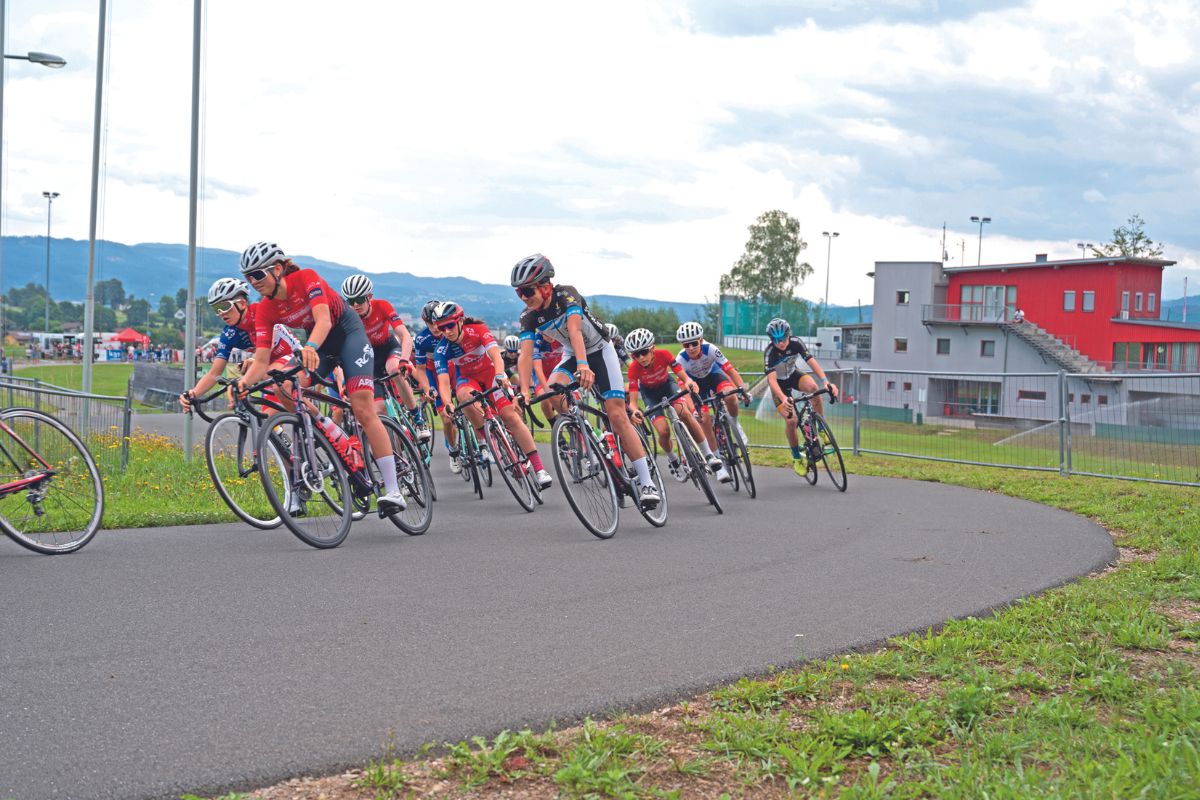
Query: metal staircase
(1053, 349)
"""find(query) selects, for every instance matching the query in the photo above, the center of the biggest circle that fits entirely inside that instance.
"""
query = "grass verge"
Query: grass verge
(1088, 690)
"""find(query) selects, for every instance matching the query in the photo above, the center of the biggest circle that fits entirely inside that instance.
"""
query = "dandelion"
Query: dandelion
(845, 666)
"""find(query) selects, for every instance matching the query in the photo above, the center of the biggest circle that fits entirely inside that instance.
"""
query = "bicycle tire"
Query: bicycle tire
(232, 458)
(413, 480)
(511, 471)
(697, 467)
(722, 430)
(838, 476)
(656, 516)
(583, 474)
(71, 499)
(285, 433)
(742, 461)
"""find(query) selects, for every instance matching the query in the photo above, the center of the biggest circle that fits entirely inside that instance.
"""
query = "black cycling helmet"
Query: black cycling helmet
(427, 311)
(532, 270)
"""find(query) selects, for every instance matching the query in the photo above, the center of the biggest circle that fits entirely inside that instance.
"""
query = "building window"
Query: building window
(891, 386)
(907, 386)
(1089, 301)
(987, 348)
(1085, 399)
(1150, 301)
(902, 297)
(901, 345)
(1124, 304)
(1137, 301)
(943, 347)
(1068, 301)
(1030, 394)
(1102, 399)
(1070, 397)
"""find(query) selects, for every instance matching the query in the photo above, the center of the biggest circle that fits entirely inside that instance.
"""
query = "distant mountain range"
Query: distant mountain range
(1173, 309)
(157, 269)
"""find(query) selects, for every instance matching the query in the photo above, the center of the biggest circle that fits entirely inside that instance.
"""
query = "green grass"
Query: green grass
(743, 360)
(107, 379)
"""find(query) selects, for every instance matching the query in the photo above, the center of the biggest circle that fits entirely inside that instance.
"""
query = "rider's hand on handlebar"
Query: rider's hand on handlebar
(833, 393)
(637, 416)
(185, 400)
(309, 358)
(586, 377)
(745, 396)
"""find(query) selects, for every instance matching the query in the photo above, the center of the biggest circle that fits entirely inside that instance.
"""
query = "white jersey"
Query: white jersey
(710, 360)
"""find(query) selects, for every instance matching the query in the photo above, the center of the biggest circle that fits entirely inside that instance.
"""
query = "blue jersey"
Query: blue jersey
(424, 343)
(233, 338)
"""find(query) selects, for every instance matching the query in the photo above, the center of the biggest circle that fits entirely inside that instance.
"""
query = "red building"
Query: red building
(1105, 308)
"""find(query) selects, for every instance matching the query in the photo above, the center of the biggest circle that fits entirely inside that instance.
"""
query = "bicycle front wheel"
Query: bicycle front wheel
(832, 454)
(311, 496)
(741, 460)
(508, 463)
(413, 480)
(231, 453)
(697, 469)
(583, 474)
(656, 516)
(51, 497)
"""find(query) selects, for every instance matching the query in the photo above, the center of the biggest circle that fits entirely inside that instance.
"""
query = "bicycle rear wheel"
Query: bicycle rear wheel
(724, 431)
(697, 469)
(508, 464)
(52, 499)
(583, 475)
(312, 499)
(231, 453)
(656, 516)
(833, 460)
(413, 480)
(741, 461)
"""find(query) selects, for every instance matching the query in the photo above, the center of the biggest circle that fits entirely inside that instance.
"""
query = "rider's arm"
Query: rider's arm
(322, 323)
(733, 373)
(822, 381)
(494, 353)
(525, 364)
(682, 378)
(258, 368)
(575, 334)
(406, 341)
(776, 392)
(209, 379)
(444, 390)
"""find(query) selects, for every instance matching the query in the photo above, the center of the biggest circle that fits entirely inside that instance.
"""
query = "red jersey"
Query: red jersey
(379, 322)
(470, 354)
(656, 374)
(305, 289)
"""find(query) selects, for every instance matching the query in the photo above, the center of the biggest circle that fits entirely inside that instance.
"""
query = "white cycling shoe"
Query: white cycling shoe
(544, 481)
(455, 465)
(723, 475)
(392, 502)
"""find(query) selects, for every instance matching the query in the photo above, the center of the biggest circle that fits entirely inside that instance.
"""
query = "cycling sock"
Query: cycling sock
(796, 451)
(535, 460)
(643, 472)
(387, 465)
(704, 448)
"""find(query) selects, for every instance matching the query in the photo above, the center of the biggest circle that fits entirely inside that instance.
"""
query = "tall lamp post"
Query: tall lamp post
(1083, 248)
(49, 203)
(829, 237)
(981, 221)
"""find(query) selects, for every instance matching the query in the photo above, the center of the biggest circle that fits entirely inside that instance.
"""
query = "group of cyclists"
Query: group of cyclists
(454, 359)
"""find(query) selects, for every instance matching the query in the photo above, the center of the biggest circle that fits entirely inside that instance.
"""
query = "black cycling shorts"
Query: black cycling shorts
(347, 347)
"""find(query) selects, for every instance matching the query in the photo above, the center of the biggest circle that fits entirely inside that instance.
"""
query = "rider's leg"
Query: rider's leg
(362, 402)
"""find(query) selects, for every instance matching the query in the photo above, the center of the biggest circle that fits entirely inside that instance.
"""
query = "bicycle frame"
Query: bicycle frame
(23, 483)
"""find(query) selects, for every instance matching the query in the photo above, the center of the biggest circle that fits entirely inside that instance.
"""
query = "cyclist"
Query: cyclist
(469, 345)
(713, 372)
(512, 347)
(614, 336)
(559, 313)
(229, 299)
(784, 377)
(389, 339)
(424, 343)
(301, 298)
(650, 376)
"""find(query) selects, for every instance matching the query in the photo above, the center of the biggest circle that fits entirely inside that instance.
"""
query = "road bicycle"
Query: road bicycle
(51, 495)
(818, 443)
(731, 447)
(512, 464)
(593, 469)
(397, 411)
(231, 451)
(692, 464)
(476, 466)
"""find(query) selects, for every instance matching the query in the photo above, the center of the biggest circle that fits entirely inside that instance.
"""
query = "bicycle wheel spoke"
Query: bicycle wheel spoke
(584, 477)
(312, 497)
(229, 451)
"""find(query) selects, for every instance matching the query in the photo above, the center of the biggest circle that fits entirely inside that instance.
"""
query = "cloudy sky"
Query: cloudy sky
(632, 141)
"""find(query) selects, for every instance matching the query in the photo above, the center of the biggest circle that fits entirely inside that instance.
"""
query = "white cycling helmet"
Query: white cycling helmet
(512, 343)
(779, 329)
(639, 339)
(357, 286)
(224, 289)
(530, 270)
(689, 332)
(260, 256)
(613, 330)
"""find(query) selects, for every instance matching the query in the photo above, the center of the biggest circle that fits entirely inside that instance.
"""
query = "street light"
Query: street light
(45, 59)
(1083, 246)
(981, 221)
(829, 237)
(49, 202)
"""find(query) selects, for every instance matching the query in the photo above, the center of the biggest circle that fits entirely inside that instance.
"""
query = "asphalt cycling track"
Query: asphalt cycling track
(209, 658)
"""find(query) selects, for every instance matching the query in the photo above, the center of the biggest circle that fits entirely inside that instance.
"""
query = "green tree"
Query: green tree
(1130, 241)
(138, 312)
(181, 297)
(167, 307)
(168, 335)
(70, 312)
(104, 319)
(662, 322)
(110, 293)
(770, 268)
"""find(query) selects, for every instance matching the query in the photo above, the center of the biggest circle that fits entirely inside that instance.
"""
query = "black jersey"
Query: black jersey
(510, 362)
(783, 362)
(551, 321)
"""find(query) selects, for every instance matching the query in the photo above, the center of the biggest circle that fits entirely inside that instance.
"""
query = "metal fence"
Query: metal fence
(1134, 426)
(102, 422)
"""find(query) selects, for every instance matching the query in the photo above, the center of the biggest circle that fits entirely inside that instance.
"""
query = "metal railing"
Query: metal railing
(967, 313)
(103, 422)
(1132, 426)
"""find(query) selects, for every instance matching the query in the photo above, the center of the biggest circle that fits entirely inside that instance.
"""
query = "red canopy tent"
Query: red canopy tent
(130, 336)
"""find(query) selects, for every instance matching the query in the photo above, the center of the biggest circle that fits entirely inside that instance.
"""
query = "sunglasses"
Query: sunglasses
(528, 291)
(256, 275)
(690, 345)
(645, 351)
(223, 308)
(447, 326)
(356, 301)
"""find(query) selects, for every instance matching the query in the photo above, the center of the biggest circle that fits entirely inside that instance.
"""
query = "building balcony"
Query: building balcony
(966, 314)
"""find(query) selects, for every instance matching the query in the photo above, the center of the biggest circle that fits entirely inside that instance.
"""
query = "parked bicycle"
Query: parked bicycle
(593, 469)
(731, 447)
(692, 463)
(818, 442)
(51, 495)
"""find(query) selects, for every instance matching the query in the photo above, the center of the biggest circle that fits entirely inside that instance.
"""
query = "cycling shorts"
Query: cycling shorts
(792, 383)
(347, 346)
(606, 365)
(653, 395)
(497, 394)
(712, 383)
(382, 353)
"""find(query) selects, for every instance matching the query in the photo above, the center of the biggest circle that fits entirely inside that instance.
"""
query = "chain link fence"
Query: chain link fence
(102, 422)
(1136, 426)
